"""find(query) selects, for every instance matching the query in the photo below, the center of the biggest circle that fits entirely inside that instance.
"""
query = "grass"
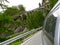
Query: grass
(14, 35)
(11, 36)
(17, 42)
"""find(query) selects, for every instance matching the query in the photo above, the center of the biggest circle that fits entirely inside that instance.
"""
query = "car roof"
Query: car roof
(57, 13)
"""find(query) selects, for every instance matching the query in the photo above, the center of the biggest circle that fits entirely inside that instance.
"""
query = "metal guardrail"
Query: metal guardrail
(19, 36)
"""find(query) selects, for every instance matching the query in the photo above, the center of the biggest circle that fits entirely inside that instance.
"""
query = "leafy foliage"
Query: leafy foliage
(11, 11)
(48, 8)
(21, 8)
(2, 5)
(14, 10)
(34, 20)
(6, 21)
(52, 3)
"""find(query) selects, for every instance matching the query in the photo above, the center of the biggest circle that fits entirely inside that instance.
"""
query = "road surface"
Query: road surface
(36, 39)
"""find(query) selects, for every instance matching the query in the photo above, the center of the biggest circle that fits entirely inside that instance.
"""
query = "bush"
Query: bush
(2, 39)
(35, 20)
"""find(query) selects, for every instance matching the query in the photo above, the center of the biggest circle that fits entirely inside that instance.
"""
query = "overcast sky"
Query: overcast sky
(28, 4)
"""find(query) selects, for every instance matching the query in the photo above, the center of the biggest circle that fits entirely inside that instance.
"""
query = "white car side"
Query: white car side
(51, 28)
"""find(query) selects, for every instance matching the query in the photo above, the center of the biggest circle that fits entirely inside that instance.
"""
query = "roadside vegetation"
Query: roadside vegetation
(35, 20)
(17, 42)
(48, 6)
(9, 23)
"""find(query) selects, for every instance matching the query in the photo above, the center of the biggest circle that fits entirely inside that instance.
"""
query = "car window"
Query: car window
(50, 26)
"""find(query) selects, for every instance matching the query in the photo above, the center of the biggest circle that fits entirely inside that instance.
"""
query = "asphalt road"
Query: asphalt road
(36, 39)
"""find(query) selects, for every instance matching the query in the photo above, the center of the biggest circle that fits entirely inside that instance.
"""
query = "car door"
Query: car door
(49, 29)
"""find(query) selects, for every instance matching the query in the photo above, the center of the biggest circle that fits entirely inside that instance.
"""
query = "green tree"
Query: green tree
(52, 3)
(14, 10)
(4, 29)
(35, 20)
(2, 5)
(21, 8)
(11, 11)
(7, 18)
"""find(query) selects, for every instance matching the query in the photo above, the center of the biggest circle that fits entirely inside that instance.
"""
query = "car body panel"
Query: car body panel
(50, 38)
